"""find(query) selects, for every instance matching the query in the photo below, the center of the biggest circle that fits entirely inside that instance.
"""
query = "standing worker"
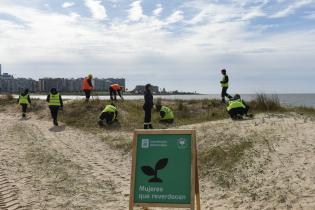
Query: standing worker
(24, 100)
(237, 108)
(109, 115)
(147, 106)
(225, 85)
(166, 114)
(87, 87)
(115, 89)
(55, 103)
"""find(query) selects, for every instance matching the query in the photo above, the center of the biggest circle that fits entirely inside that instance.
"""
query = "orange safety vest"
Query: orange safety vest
(116, 87)
(85, 85)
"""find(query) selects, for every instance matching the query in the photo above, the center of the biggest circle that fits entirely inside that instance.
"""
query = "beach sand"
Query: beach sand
(42, 167)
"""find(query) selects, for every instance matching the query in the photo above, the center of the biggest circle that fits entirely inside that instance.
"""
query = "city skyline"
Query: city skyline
(266, 46)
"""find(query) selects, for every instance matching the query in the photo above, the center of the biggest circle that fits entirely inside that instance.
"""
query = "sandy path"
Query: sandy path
(42, 168)
(61, 170)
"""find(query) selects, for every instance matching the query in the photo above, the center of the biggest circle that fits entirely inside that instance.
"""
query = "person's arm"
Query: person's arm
(61, 102)
(29, 99)
(162, 114)
(48, 98)
(90, 83)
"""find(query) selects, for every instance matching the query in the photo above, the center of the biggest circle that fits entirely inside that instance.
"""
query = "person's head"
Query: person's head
(113, 104)
(223, 71)
(148, 87)
(237, 96)
(158, 107)
(26, 91)
(53, 90)
(90, 76)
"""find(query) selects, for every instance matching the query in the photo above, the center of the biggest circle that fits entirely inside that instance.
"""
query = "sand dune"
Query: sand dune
(66, 168)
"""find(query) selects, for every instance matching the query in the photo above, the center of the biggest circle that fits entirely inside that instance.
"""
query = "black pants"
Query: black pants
(24, 108)
(108, 116)
(147, 117)
(113, 94)
(225, 94)
(234, 113)
(87, 94)
(54, 112)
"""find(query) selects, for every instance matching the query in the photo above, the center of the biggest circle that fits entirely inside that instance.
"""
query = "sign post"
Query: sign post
(164, 169)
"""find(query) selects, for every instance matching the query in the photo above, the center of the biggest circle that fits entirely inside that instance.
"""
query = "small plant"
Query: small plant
(154, 172)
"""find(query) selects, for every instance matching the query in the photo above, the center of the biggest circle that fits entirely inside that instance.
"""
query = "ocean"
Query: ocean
(285, 99)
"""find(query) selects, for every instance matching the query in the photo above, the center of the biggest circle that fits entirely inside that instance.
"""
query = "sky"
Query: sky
(265, 45)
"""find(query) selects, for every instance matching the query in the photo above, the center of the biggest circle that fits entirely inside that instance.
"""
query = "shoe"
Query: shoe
(23, 115)
(55, 123)
(150, 126)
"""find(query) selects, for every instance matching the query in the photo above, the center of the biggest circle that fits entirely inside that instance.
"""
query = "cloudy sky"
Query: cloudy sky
(266, 45)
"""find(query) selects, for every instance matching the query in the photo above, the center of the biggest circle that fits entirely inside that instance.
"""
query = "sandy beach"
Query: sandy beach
(43, 167)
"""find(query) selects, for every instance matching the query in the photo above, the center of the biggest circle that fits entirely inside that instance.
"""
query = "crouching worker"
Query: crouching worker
(108, 116)
(55, 103)
(237, 108)
(166, 114)
(24, 100)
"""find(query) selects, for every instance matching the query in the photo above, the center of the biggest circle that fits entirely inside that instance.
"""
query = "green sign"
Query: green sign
(163, 168)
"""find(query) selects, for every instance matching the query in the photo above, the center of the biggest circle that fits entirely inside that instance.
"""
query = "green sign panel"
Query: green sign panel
(163, 169)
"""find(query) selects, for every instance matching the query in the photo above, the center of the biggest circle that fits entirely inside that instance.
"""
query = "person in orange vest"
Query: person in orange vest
(87, 87)
(115, 89)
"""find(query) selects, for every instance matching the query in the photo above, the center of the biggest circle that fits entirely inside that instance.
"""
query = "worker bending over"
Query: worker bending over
(87, 87)
(237, 108)
(166, 114)
(115, 89)
(55, 103)
(225, 85)
(24, 100)
(109, 115)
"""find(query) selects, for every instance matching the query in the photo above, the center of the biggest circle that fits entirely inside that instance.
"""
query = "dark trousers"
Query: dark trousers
(225, 94)
(108, 117)
(147, 117)
(234, 113)
(87, 94)
(113, 94)
(24, 108)
(54, 112)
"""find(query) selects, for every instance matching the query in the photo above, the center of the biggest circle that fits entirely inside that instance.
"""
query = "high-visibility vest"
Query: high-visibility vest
(235, 104)
(23, 99)
(226, 84)
(115, 87)
(111, 109)
(169, 115)
(86, 85)
(54, 100)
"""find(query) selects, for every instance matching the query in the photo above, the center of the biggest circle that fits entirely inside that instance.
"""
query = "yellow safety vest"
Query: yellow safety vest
(224, 84)
(235, 104)
(54, 100)
(23, 99)
(169, 115)
(111, 109)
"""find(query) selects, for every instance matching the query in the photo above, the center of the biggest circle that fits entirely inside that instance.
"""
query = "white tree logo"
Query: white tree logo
(182, 143)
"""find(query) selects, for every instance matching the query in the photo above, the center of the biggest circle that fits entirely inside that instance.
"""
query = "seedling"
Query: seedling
(154, 172)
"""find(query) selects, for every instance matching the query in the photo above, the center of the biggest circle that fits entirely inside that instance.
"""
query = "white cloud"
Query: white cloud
(291, 9)
(96, 8)
(135, 11)
(68, 4)
(158, 10)
(175, 17)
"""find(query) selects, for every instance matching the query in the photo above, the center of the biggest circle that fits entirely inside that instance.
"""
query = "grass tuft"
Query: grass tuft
(265, 103)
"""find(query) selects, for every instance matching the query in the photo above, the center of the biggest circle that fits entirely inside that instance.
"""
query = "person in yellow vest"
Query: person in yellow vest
(237, 108)
(225, 86)
(55, 104)
(109, 115)
(87, 87)
(166, 114)
(24, 100)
